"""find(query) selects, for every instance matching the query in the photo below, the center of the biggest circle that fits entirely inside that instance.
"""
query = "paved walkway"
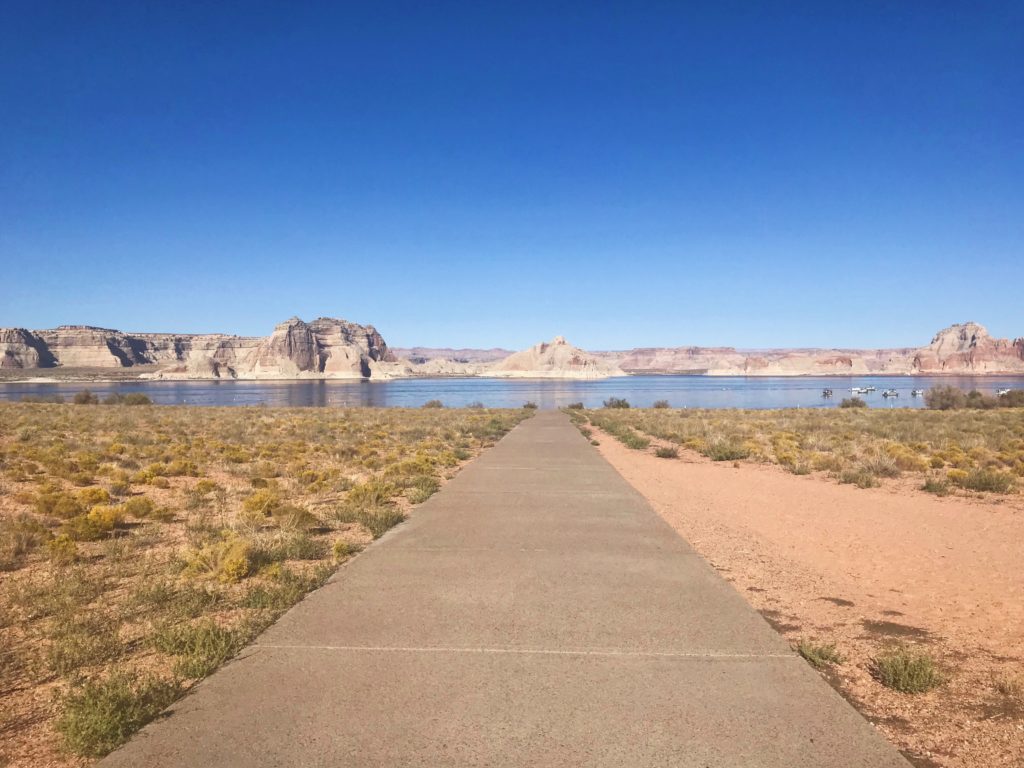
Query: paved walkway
(535, 612)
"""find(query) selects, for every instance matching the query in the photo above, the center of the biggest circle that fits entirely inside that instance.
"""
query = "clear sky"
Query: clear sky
(461, 174)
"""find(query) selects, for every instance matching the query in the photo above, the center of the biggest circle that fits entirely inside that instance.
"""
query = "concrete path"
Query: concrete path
(535, 612)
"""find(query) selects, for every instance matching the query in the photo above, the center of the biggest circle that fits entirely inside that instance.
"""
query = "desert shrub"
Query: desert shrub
(1012, 399)
(860, 477)
(82, 478)
(819, 654)
(85, 528)
(98, 716)
(202, 494)
(616, 402)
(976, 399)
(62, 549)
(180, 468)
(107, 516)
(376, 519)
(85, 397)
(264, 502)
(422, 488)
(342, 549)
(139, 507)
(82, 640)
(57, 503)
(826, 462)
(664, 452)
(530, 406)
(286, 589)
(433, 404)
(937, 485)
(634, 440)
(132, 398)
(476, 405)
(852, 402)
(945, 398)
(294, 517)
(20, 535)
(575, 406)
(1010, 686)
(40, 399)
(991, 480)
(906, 670)
(881, 465)
(286, 545)
(229, 560)
(200, 647)
(371, 493)
(661, 404)
(725, 450)
(90, 497)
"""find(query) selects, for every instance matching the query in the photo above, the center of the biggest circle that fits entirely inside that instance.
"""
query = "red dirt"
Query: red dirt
(865, 569)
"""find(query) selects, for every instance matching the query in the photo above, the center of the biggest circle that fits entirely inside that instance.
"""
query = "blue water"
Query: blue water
(640, 391)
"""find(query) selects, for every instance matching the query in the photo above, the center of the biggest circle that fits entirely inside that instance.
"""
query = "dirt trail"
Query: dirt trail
(865, 569)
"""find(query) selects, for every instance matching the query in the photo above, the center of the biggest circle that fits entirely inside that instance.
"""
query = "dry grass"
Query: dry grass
(975, 450)
(141, 547)
(819, 655)
(907, 670)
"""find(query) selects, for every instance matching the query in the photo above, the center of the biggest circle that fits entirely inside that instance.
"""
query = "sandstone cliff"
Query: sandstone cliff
(969, 347)
(332, 348)
(966, 348)
(324, 348)
(555, 359)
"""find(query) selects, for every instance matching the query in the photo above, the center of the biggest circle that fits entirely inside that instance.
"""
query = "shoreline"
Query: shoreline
(143, 378)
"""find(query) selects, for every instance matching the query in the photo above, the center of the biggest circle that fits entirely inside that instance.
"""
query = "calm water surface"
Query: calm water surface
(640, 391)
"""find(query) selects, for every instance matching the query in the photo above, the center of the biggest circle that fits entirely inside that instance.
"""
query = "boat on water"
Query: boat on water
(826, 393)
(868, 389)
(917, 393)
(890, 393)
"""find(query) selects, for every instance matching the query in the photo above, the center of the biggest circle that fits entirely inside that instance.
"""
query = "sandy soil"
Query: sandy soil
(865, 569)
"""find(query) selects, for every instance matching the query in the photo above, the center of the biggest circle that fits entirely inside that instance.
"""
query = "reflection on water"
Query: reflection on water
(640, 391)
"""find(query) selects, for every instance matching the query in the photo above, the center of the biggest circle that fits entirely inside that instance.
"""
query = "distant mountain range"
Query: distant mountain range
(330, 348)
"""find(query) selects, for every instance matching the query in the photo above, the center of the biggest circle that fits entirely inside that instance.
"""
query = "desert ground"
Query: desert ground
(142, 546)
(850, 575)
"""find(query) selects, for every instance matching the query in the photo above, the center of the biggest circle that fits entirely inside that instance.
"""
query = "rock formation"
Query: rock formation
(966, 348)
(23, 349)
(555, 359)
(332, 348)
(324, 348)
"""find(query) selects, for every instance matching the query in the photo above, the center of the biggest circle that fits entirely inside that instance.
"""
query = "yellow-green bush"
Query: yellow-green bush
(62, 549)
(230, 560)
(91, 496)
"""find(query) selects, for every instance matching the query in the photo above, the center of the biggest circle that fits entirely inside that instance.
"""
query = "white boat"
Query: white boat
(917, 393)
(868, 389)
(890, 393)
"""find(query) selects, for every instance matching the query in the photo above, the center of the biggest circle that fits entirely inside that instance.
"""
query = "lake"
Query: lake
(640, 391)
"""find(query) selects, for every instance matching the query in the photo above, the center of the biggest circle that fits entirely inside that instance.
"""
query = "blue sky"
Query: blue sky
(630, 174)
